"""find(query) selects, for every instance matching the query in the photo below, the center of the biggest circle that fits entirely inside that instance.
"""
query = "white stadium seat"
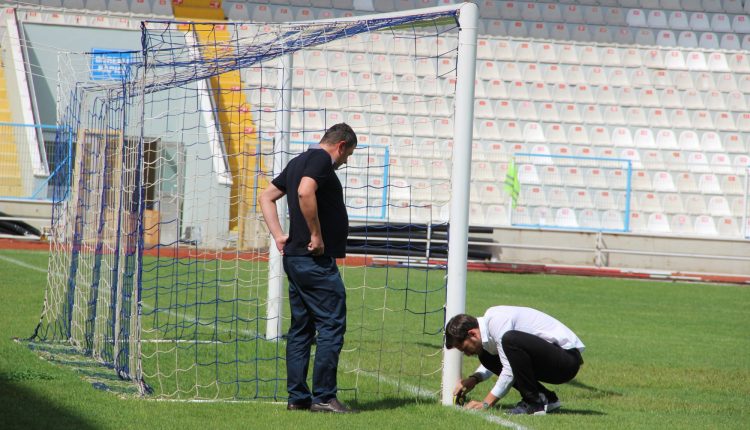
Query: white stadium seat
(708, 183)
(539, 30)
(685, 182)
(699, 22)
(593, 114)
(262, 13)
(678, 20)
(511, 131)
(504, 110)
(739, 62)
(658, 223)
(641, 180)
(488, 129)
(652, 159)
(532, 132)
(712, 6)
(531, 11)
(484, 49)
(730, 41)
(603, 199)
(612, 220)
(556, 134)
(662, 182)
(695, 204)
(731, 6)
(725, 82)
(615, 16)
(548, 113)
(656, 18)
(672, 203)
(510, 10)
(483, 108)
(728, 226)
(741, 24)
(665, 139)
(732, 184)
(719, 206)
(623, 36)
(637, 222)
(663, 38)
(705, 225)
(636, 18)
(550, 175)
(681, 224)
(721, 23)
(532, 196)
(715, 100)
(496, 216)
(566, 217)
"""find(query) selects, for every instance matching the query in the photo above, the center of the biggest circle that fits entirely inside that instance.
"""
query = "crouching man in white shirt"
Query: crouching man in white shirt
(524, 347)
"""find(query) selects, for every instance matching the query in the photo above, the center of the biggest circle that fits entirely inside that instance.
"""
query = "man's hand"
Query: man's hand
(280, 242)
(474, 405)
(465, 385)
(316, 245)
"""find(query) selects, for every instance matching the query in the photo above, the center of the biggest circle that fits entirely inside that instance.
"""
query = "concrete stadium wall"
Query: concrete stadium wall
(622, 250)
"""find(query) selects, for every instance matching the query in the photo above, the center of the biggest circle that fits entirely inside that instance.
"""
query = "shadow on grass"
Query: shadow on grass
(566, 411)
(99, 375)
(596, 392)
(387, 403)
(22, 408)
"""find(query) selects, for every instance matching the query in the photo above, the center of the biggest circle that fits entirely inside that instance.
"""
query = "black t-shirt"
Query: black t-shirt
(334, 222)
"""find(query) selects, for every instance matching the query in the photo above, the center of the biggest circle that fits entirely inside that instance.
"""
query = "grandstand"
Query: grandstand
(629, 120)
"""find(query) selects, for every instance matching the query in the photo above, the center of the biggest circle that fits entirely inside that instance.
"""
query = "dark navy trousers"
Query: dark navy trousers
(317, 299)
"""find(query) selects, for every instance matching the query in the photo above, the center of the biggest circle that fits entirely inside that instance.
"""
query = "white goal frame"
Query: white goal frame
(460, 180)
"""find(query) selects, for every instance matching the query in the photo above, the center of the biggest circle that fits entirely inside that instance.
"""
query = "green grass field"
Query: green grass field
(659, 355)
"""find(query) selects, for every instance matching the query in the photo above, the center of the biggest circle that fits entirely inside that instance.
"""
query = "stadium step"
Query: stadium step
(10, 183)
(11, 191)
(5, 115)
(209, 10)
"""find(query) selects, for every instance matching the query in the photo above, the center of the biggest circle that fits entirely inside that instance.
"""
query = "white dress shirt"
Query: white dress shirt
(500, 319)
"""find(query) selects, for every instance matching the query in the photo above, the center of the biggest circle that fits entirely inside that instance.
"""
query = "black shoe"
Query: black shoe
(334, 406)
(298, 407)
(528, 408)
(551, 401)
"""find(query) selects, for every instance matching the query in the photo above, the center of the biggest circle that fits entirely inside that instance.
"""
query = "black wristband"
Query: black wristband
(475, 378)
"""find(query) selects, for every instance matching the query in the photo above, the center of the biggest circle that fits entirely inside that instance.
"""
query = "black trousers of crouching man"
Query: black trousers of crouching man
(534, 360)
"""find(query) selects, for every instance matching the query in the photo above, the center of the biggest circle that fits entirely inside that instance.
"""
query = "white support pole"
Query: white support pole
(458, 232)
(280, 159)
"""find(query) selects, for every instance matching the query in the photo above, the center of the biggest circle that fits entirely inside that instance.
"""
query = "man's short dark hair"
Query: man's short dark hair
(339, 132)
(457, 329)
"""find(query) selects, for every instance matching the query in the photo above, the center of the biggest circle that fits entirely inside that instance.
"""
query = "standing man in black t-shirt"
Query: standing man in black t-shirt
(318, 227)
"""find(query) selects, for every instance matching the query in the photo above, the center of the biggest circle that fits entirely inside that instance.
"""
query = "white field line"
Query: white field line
(417, 391)
(494, 419)
(22, 264)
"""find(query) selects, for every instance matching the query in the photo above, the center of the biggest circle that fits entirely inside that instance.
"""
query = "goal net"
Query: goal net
(160, 263)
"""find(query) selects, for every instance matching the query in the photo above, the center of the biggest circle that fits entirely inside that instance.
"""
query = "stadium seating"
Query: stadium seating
(663, 84)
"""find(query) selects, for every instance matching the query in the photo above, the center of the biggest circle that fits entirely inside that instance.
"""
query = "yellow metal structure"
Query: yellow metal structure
(10, 170)
(206, 10)
(239, 132)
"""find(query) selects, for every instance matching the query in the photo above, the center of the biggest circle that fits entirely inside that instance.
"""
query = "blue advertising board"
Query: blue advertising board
(108, 65)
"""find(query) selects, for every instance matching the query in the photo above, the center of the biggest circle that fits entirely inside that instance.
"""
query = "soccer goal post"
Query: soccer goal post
(161, 265)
